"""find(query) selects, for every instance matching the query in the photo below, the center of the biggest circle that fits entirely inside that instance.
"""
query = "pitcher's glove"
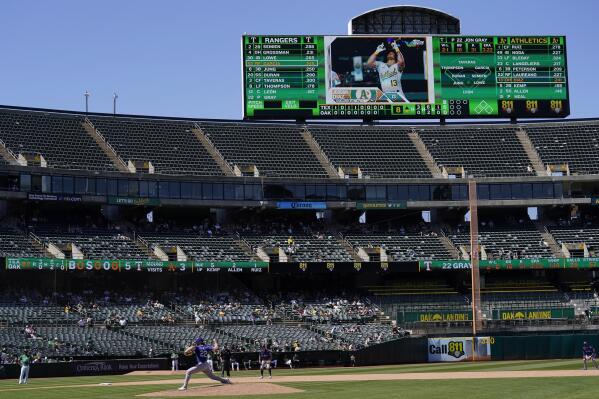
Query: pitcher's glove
(189, 350)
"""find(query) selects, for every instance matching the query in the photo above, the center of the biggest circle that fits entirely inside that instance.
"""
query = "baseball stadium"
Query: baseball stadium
(401, 212)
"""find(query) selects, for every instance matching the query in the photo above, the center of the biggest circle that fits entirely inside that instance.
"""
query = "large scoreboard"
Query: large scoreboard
(391, 77)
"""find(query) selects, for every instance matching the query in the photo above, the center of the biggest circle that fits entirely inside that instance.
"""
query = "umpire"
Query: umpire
(225, 358)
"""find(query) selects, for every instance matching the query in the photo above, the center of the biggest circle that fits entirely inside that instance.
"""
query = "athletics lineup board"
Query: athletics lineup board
(382, 77)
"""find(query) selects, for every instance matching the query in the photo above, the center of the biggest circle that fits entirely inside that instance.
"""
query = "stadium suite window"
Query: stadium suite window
(419, 193)
(10, 183)
(253, 192)
(459, 192)
(207, 191)
(196, 190)
(123, 187)
(174, 189)
(90, 186)
(185, 190)
(68, 185)
(356, 193)
(376, 193)
(80, 185)
(101, 186)
(333, 192)
(133, 188)
(111, 187)
(46, 184)
(143, 188)
(542, 190)
(212, 191)
(229, 191)
(217, 191)
(36, 183)
(147, 189)
(56, 184)
(316, 192)
(25, 183)
(163, 189)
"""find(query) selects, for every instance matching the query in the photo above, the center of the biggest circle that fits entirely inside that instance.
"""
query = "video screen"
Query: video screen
(378, 70)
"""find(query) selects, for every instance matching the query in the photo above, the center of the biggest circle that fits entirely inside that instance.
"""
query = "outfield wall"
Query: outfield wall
(86, 367)
(530, 347)
(502, 347)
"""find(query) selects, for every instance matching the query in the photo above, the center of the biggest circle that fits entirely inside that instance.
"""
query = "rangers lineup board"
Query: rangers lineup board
(382, 77)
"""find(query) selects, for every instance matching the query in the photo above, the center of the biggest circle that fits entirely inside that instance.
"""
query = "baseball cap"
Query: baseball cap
(199, 341)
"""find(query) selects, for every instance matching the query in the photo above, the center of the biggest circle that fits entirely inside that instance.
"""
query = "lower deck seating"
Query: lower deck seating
(402, 248)
(15, 244)
(282, 336)
(196, 247)
(304, 248)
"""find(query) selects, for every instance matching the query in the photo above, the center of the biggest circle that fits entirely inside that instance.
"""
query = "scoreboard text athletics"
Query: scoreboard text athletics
(404, 76)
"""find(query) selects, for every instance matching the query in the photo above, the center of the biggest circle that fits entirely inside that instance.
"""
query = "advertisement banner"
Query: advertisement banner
(301, 205)
(134, 201)
(381, 205)
(459, 349)
(434, 316)
(533, 314)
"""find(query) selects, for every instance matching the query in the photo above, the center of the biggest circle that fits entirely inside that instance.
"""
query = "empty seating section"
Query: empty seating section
(132, 313)
(99, 341)
(230, 313)
(279, 150)
(24, 313)
(304, 248)
(383, 152)
(401, 248)
(199, 248)
(330, 310)
(576, 144)
(15, 341)
(95, 244)
(60, 138)
(588, 236)
(15, 244)
(180, 337)
(363, 334)
(281, 336)
(276, 150)
(507, 244)
(171, 146)
(481, 151)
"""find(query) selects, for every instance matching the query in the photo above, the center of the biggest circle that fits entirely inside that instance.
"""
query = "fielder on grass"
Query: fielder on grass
(588, 353)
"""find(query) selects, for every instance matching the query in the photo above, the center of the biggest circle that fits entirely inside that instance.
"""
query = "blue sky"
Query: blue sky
(182, 58)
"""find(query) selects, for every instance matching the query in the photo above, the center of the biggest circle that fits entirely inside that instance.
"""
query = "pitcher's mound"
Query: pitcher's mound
(226, 390)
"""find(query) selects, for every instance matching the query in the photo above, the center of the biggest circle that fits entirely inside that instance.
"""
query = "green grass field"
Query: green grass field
(485, 387)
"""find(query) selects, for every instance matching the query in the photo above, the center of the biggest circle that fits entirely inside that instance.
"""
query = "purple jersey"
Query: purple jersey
(202, 351)
(588, 350)
(265, 354)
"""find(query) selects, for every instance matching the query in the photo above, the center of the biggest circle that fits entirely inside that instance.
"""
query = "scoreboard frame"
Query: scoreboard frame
(521, 108)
